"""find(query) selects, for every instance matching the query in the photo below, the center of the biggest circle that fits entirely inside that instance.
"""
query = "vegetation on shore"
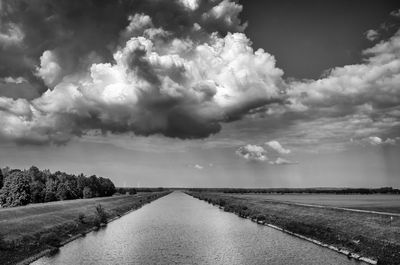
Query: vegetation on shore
(26, 231)
(369, 235)
(21, 187)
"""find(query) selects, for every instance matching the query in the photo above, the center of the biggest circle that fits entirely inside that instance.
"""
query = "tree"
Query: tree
(37, 185)
(93, 183)
(38, 191)
(5, 172)
(67, 187)
(62, 192)
(1, 179)
(16, 190)
(81, 184)
(35, 174)
(46, 187)
(107, 187)
(51, 188)
(87, 192)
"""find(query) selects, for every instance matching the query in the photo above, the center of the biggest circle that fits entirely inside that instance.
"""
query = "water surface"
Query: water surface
(179, 229)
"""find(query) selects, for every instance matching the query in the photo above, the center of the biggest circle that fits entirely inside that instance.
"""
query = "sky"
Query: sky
(192, 93)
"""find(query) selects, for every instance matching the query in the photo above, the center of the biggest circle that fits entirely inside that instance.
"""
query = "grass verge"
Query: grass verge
(28, 230)
(368, 235)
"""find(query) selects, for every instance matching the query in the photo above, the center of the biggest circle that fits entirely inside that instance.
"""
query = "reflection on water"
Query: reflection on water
(178, 229)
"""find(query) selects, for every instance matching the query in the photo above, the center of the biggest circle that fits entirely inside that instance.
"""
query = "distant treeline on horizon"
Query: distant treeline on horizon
(383, 190)
(21, 187)
(133, 190)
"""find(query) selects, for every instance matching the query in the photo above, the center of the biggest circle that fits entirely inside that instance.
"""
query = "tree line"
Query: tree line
(20, 187)
(383, 190)
(131, 191)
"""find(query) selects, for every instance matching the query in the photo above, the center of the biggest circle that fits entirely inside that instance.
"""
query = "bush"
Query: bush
(261, 217)
(87, 193)
(16, 190)
(51, 239)
(101, 214)
(3, 244)
(96, 222)
(81, 218)
(222, 202)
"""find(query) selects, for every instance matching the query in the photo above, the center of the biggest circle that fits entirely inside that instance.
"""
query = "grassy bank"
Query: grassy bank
(27, 230)
(373, 202)
(368, 235)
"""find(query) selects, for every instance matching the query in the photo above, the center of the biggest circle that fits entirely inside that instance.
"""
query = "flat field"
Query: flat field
(373, 202)
(21, 228)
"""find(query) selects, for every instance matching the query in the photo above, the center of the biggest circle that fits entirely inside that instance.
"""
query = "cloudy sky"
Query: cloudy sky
(212, 93)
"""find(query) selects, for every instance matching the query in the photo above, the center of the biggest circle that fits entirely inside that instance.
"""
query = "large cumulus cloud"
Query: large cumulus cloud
(177, 76)
(374, 82)
(350, 102)
(180, 69)
(80, 32)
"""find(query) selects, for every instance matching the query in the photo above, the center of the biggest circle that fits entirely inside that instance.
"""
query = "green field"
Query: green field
(373, 202)
(372, 235)
(22, 227)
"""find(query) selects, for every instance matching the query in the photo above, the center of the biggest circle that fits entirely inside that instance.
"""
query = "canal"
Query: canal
(179, 229)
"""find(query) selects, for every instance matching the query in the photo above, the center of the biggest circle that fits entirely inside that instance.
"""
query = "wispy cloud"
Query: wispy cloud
(282, 161)
(198, 167)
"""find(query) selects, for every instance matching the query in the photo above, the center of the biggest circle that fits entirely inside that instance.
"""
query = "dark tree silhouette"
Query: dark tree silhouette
(87, 192)
(1, 179)
(46, 187)
(16, 190)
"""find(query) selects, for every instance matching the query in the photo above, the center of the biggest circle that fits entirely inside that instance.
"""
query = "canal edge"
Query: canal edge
(316, 242)
(48, 251)
(63, 243)
(345, 252)
(319, 243)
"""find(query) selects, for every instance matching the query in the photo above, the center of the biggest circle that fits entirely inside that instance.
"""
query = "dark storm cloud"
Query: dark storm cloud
(71, 29)
(148, 67)
(82, 32)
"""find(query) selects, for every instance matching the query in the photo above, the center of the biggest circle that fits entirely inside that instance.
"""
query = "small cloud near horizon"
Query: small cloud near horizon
(258, 153)
(372, 35)
(283, 161)
(252, 152)
(197, 166)
(276, 146)
(375, 140)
